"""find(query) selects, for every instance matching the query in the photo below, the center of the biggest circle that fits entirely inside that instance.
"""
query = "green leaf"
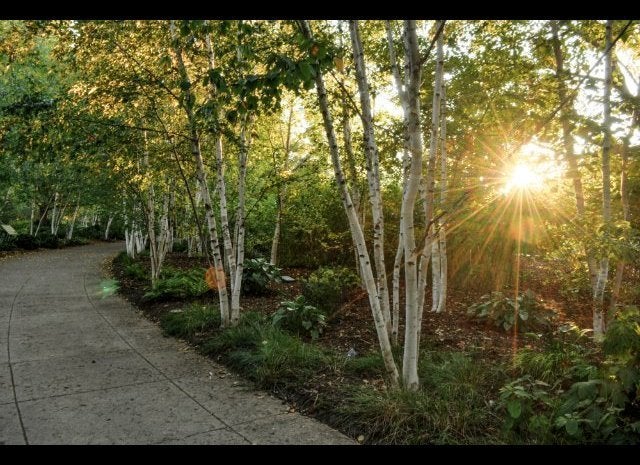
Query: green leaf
(306, 71)
(515, 408)
(572, 427)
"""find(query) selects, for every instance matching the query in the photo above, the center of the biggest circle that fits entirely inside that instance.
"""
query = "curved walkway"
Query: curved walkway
(81, 367)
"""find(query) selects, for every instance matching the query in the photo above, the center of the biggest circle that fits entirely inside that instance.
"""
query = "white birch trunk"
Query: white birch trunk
(373, 175)
(598, 295)
(54, 213)
(73, 220)
(428, 191)
(240, 218)
(414, 133)
(106, 231)
(354, 225)
(224, 214)
(201, 175)
(436, 275)
(442, 235)
(405, 173)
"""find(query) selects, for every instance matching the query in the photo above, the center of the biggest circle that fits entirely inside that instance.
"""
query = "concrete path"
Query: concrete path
(79, 367)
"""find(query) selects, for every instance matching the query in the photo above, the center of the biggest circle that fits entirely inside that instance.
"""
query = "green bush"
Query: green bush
(327, 288)
(580, 400)
(48, 241)
(178, 284)
(500, 310)
(265, 354)
(75, 241)
(193, 319)
(7, 242)
(26, 241)
(180, 245)
(95, 232)
(257, 274)
(449, 407)
(135, 270)
(299, 318)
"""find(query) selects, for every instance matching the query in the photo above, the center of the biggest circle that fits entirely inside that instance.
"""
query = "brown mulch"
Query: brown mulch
(352, 326)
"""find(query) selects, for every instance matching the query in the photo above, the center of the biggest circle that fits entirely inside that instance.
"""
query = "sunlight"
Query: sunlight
(523, 177)
(533, 167)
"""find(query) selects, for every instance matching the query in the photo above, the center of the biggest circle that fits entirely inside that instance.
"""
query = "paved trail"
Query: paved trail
(79, 367)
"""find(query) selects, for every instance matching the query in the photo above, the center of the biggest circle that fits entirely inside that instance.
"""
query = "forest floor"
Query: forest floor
(351, 327)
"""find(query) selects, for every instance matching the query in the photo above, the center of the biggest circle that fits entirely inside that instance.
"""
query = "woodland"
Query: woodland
(417, 231)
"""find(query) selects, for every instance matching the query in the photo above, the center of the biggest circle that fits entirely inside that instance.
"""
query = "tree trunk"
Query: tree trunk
(54, 211)
(240, 218)
(574, 173)
(188, 101)
(229, 251)
(354, 224)
(353, 174)
(442, 235)
(106, 231)
(373, 175)
(429, 188)
(33, 213)
(275, 242)
(73, 220)
(402, 94)
(598, 295)
(624, 200)
(411, 254)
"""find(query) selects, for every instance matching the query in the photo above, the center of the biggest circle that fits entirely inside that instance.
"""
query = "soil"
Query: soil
(351, 327)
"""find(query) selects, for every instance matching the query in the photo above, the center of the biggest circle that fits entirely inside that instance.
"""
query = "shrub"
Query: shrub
(193, 319)
(299, 318)
(579, 401)
(75, 241)
(449, 407)
(178, 284)
(265, 354)
(26, 241)
(7, 242)
(48, 241)
(257, 274)
(501, 311)
(95, 232)
(136, 271)
(180, 245)
(327, 288)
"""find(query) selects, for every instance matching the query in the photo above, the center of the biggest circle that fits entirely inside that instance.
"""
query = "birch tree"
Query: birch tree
(354, 223)
(188, 101)
(373, 174)
(603, 272)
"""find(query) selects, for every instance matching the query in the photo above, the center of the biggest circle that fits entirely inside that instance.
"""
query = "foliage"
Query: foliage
(48, 241)
(136, 271)
(327, 288)
(257, 274)
(449, 408)
(191, 320)
(26, 241)
(178, 284)
(579, 400)
(75, 241)
(265, 354)
(299, 317)
(7, 242)
(500, 310)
